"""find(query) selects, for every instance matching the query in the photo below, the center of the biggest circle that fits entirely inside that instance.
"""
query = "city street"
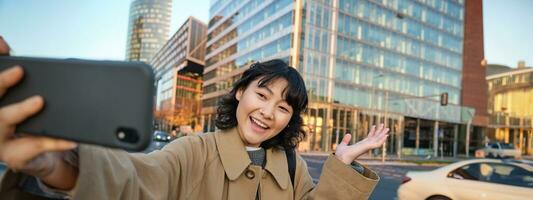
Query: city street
(391, 174)
(437, 94)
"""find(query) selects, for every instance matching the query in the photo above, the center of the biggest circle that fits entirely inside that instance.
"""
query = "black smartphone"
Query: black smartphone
(108, 103)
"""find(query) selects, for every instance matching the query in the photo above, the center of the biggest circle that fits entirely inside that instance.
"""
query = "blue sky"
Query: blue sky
(96, 29)
(508, 29)
(93, 29)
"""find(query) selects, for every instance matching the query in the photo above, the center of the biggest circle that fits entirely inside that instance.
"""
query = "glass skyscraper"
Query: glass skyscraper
(148, 28)
(364, 62)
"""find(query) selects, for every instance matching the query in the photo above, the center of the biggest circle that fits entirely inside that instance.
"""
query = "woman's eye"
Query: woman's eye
(284, 109)
(261, 95)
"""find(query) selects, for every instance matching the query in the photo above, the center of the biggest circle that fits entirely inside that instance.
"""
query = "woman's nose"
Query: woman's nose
(266, 113)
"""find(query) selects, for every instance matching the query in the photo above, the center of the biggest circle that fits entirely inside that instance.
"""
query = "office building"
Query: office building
(148, 28)
(511, 105)
(364, 62)
(179, 67)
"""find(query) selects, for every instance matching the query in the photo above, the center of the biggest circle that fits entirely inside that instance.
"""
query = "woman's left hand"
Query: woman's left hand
(348, 153)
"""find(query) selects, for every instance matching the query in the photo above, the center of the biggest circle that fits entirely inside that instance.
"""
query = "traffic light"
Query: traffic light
(444, 99)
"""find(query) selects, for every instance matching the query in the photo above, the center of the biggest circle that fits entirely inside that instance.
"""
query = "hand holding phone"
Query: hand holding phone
(34, 155)
(106, 103)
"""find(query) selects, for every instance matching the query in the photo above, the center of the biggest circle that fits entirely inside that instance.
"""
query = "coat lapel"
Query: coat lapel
(232, 152)
(277, 166)
(235, 160)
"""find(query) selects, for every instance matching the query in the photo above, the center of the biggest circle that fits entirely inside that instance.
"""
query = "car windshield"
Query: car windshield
(507, 146)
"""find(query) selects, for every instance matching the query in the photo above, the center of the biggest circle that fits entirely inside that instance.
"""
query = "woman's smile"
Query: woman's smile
(258, 126)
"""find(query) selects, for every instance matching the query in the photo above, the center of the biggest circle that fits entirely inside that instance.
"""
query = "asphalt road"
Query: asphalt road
(391, 175)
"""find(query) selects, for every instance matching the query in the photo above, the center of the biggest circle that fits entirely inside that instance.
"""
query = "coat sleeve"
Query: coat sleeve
(337, 181)
(116, 174)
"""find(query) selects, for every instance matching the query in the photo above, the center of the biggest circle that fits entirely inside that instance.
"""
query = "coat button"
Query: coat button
(250, 174)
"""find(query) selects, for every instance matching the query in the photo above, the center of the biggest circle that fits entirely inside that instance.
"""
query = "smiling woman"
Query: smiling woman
(259, 125)
(266, 104)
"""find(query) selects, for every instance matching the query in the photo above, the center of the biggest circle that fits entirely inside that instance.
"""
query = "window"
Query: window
(468, 172)
(498, 173)
(507, 146)
(510, 175)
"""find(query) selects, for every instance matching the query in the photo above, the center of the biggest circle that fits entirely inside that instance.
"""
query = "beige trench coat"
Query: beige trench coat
(208, 166)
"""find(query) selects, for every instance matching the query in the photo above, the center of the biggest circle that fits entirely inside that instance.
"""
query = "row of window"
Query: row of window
(164, 86)
(416, 8)
(150, 3)
(172, 52)
(393, 102)
(279, 45)
(251, 41)
(510, 80)
(394, 83)
(383, 13)
(453, 8)
(352, 72)
(221, 70)
(238, 12)
(271, 49)
(369, 54)
(265, 32)
(318, 39)
(216, 5)
(356, 28)
(319, 15)
(251, 22)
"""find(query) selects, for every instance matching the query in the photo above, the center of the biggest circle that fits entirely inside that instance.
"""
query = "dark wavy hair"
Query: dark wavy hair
(295, 94)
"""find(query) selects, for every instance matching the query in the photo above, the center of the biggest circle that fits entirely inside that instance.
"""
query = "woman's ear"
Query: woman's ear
(238, 94)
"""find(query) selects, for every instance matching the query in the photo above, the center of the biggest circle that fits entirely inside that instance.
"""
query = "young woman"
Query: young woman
(258, 121)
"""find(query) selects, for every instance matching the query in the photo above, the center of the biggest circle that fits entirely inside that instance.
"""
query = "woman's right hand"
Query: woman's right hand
(32, 155)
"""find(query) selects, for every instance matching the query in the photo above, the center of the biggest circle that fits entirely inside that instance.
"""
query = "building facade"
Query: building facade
(148, 28)
(474, 87)
(179, 67)
(511, 106)
(364, 62)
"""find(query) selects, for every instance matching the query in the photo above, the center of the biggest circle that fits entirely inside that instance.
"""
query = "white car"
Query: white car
(477, 179)
(501, 150)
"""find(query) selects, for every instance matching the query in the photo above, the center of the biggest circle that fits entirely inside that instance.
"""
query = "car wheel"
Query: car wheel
(490, 155)
(438, 197)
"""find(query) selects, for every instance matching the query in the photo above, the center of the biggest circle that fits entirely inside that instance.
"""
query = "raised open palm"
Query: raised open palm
(348, 153)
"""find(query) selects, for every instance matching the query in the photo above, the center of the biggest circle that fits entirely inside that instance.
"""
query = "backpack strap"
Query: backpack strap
(291, 162)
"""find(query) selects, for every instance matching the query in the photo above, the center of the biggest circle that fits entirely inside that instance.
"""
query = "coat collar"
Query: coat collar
(235, 159)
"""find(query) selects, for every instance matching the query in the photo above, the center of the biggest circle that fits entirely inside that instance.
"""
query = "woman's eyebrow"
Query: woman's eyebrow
(268, 89)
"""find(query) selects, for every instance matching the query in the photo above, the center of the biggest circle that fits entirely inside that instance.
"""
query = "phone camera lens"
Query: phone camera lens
(121, 135)
(128, 135)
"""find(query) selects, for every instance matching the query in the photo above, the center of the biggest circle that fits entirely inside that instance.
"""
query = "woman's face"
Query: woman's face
(262, 112)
